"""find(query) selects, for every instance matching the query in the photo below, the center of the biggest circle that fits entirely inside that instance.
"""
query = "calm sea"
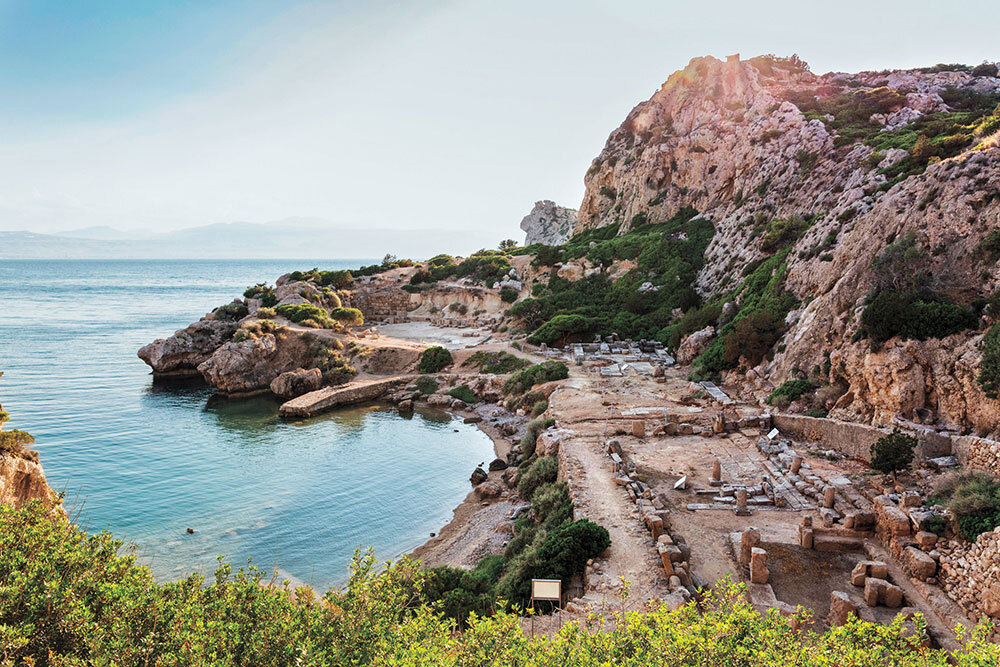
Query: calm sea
(147, 461)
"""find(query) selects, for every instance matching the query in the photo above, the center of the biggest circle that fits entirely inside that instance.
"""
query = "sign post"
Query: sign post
(545, 589)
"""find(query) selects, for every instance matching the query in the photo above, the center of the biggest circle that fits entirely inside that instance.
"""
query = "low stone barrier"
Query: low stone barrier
(854, 440)
(327, 398)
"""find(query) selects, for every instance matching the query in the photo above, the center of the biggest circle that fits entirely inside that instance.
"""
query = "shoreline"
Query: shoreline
(455, 535)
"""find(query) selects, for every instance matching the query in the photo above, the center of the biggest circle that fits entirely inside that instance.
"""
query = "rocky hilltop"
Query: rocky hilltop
(841, 175)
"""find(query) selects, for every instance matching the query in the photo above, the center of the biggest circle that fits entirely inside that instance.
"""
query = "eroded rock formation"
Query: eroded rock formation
(548, 223)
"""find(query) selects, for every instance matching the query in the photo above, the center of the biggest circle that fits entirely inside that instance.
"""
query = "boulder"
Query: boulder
(488, 490)
(295, 383)
(498, 464)
(478, 476)
(694, 344)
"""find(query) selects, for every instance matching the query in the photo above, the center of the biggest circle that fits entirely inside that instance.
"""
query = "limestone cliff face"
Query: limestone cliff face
(730, 139)
(22, 479)
(548, 223)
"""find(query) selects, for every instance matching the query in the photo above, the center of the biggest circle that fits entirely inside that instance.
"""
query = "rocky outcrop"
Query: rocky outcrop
(182, 353)
(741, 142)
(251, 365)
(295, 383)
(694, 345)
(22, 479)
(548, 223)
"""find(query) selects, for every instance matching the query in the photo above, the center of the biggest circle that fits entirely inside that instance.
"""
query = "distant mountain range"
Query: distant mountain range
(242, 240)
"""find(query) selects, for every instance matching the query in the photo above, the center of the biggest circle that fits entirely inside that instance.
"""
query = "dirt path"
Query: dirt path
(600, 499)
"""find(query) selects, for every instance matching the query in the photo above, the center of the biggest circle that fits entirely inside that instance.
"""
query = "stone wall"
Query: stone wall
(979, 453)
(855, 440)
(381, 303)
(970, 573)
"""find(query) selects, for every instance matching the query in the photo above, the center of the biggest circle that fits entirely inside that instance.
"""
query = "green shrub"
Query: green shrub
(917, 314)
(463, 393)
(301, 312)
(989, 371)
(262, 291)
(530, 438)
(780, 233)
(539, 407)
(425, 384)
(542, 471)
(508, 294)
(936, 524)
(334, 366)
(974, 498)
(752, 338)
(547, 255)
(496, 363)
(552, 505)
(893, 452)
(568, 548)
(561, 327)
(526, 378)
(265, 313)
(434, 359)
(421, 276)
(13, 441)
(231, 312)
(695, 319)
(793, 390)
(350, 317)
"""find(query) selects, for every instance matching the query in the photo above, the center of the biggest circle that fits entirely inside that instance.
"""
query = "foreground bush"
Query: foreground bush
(69, 598)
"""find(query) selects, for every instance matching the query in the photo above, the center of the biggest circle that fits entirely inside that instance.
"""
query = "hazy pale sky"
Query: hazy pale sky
(163, 115)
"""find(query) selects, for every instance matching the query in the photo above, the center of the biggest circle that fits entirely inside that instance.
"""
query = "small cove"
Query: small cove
(148, 460)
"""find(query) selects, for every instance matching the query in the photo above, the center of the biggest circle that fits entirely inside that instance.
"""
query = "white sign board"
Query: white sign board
(546, 589)
(773, 434)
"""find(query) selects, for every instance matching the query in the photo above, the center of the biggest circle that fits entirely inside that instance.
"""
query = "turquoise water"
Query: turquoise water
(146, 461)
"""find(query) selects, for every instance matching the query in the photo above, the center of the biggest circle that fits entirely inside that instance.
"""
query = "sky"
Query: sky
(160, 115)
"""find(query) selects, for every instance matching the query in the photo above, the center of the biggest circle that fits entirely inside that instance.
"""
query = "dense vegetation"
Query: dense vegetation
(989, 370)
(790, 391)
(668, 256)
(758, 323)
(974, 498)
(903, 302)
(526, 378)
(70, 598)
(496, 363)
(318, 317)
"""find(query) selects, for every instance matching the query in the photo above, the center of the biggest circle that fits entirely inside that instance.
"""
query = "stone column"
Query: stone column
(716, 474)
(639, 428)
(741, 502)
(748, 540)
(796, 464)
(759, 574)
(829, 495)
